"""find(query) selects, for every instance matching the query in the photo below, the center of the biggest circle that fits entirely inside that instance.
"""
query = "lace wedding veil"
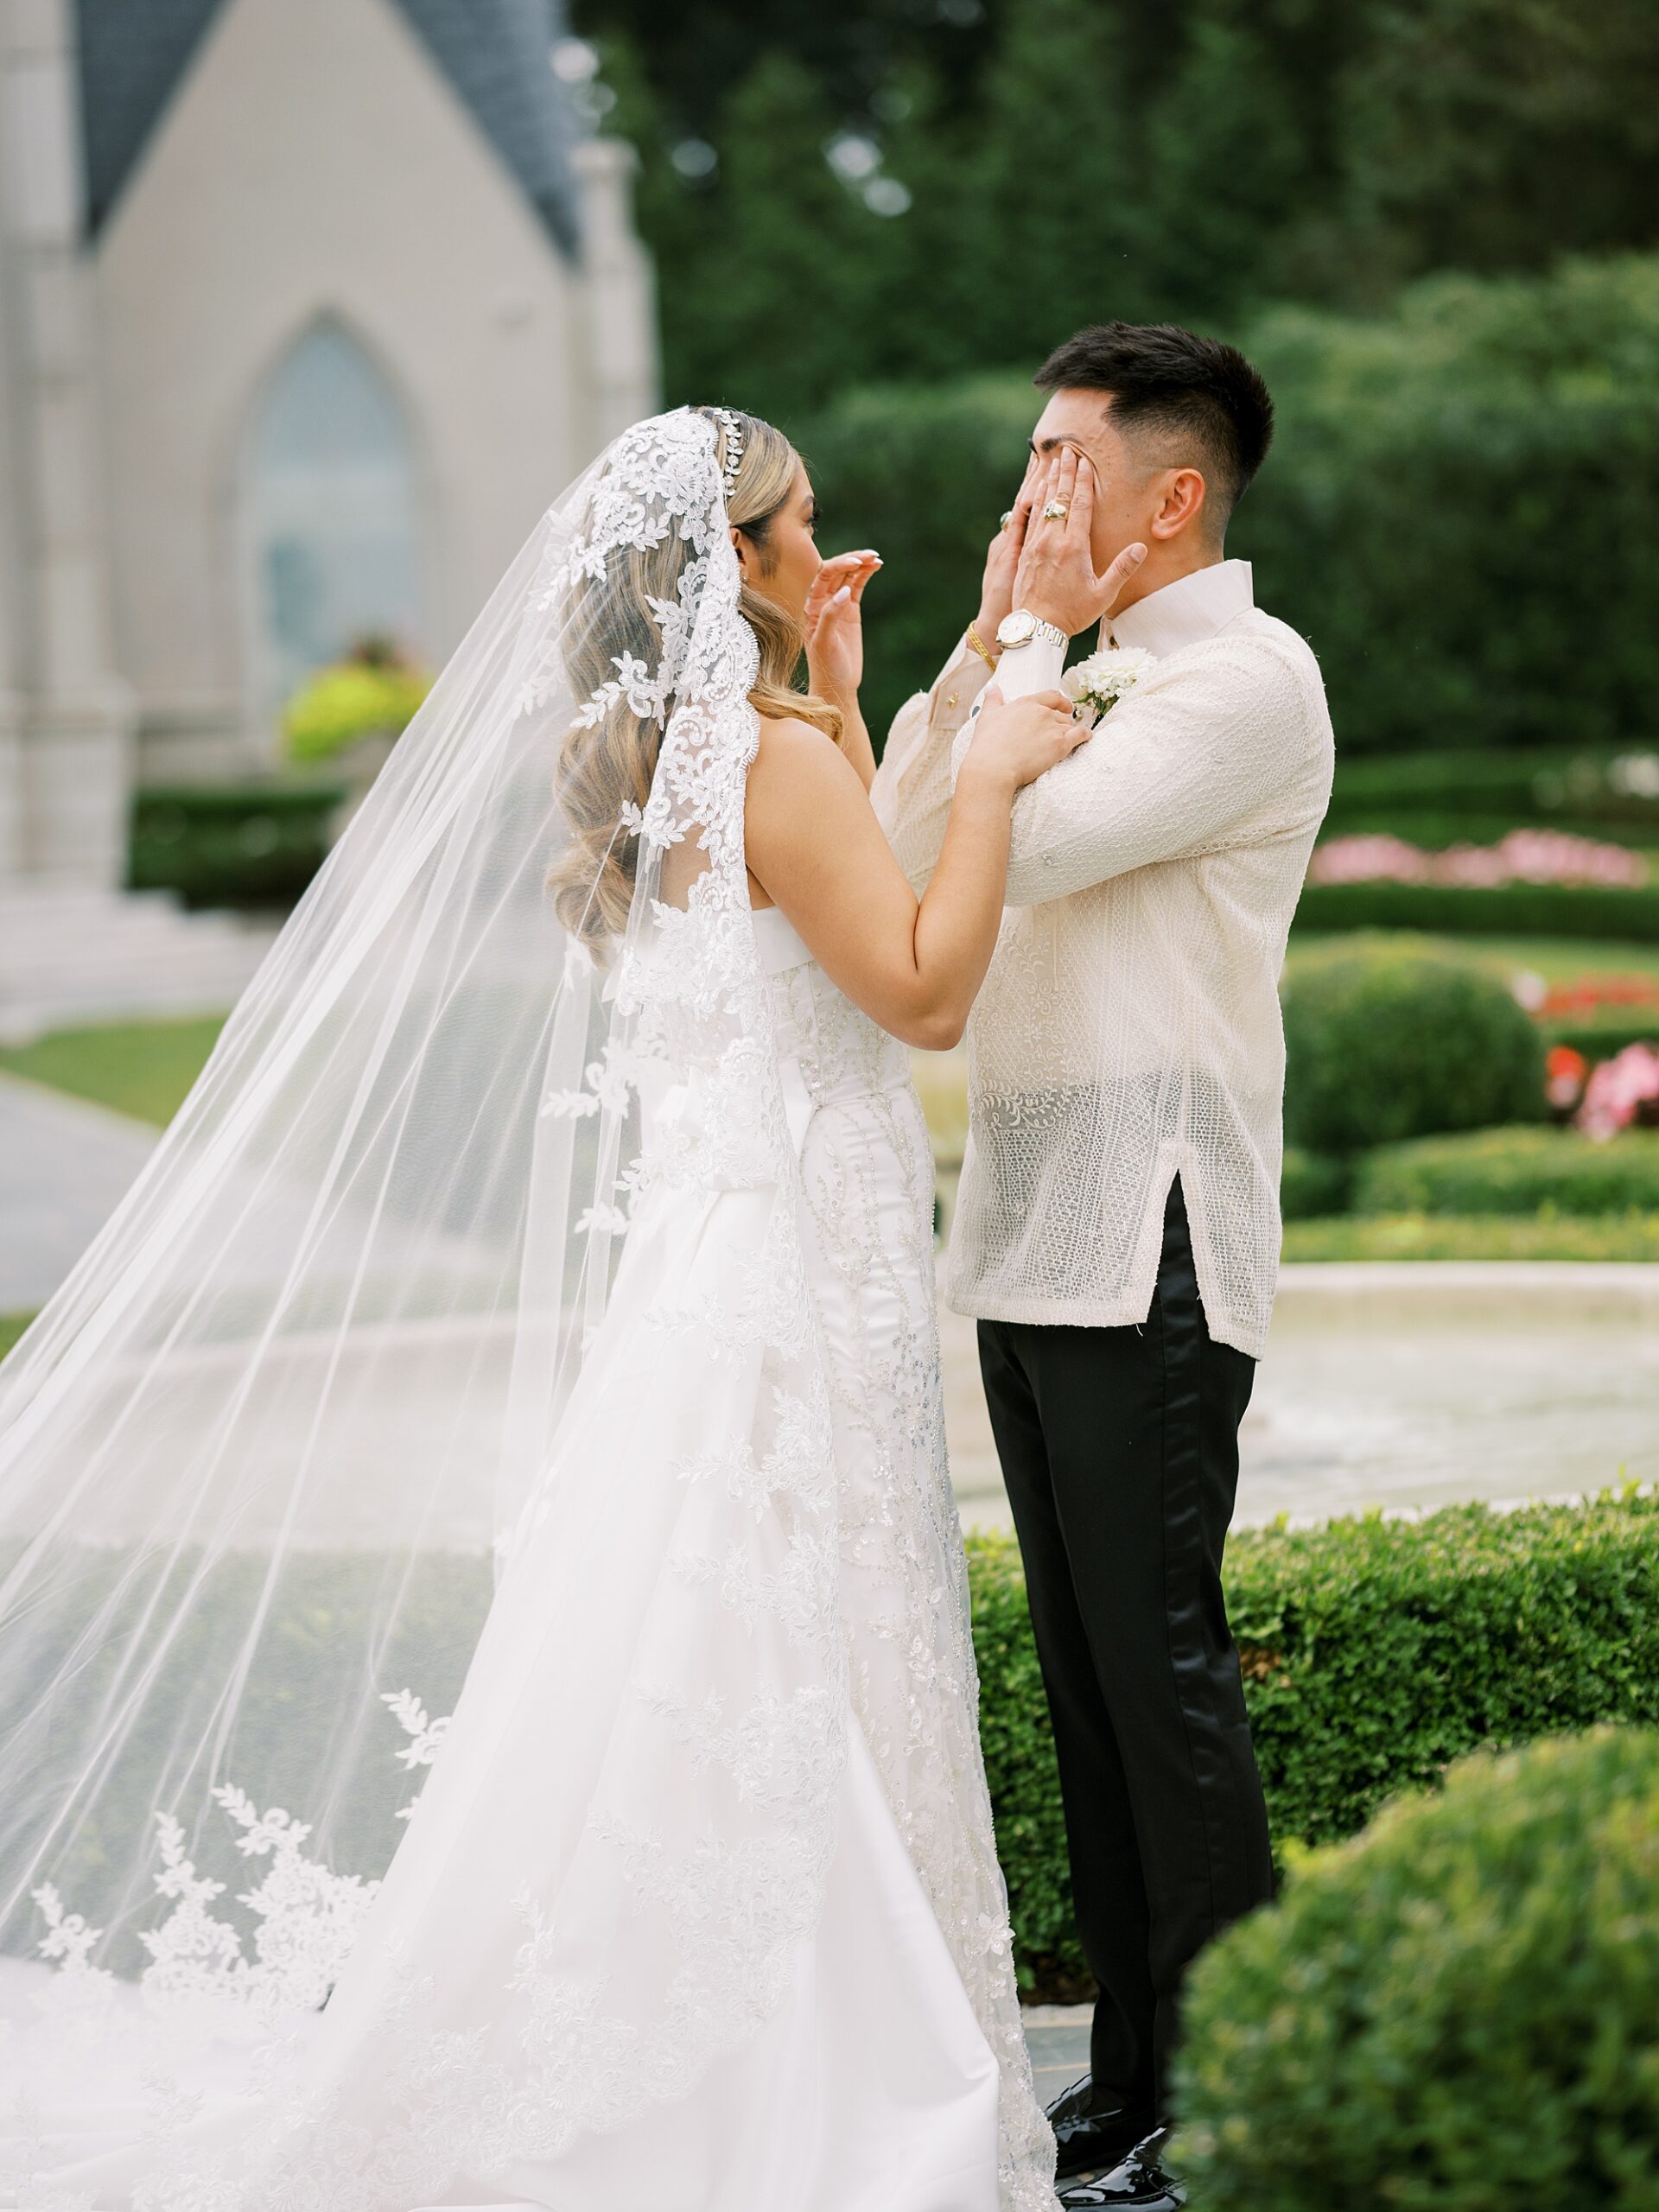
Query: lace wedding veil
(265, 1455)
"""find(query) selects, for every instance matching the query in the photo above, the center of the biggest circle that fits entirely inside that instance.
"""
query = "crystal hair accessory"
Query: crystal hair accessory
(727, 417)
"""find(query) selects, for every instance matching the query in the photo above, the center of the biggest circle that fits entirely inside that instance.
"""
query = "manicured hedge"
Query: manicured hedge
(1424, 457)
(230, 845)
(1588, 788)
(1599, 1036)
(1391, 1037)
(1512, 1172)
(1373, 1652)
(1313, 1183)
(1506, 909)
(1456, 2011)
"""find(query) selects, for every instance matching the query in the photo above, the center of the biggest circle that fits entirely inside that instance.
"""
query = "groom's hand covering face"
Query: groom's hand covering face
(1057, 580)
(1119, 491)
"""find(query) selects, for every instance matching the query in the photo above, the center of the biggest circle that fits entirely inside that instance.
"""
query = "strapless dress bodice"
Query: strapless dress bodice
(840, 1051)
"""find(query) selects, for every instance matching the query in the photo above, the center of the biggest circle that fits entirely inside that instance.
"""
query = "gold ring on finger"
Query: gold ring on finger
(1056, 510)
(1008, 516)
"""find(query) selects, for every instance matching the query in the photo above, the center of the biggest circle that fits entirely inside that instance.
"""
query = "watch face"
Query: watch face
(1017, 628)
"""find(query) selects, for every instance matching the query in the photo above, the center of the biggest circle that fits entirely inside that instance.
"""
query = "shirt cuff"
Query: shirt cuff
(1036, 667)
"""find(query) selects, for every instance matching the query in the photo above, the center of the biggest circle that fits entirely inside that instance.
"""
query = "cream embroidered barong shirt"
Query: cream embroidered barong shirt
(1129, 1029)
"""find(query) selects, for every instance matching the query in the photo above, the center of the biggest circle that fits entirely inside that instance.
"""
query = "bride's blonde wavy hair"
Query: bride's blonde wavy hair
(611, 764)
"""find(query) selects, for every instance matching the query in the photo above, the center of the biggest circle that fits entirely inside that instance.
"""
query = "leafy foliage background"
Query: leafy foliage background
(872, 222)
(1066, 160)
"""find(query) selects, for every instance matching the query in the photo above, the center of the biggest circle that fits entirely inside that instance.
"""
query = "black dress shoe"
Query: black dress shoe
(1086, 2139)
(1137, 2183)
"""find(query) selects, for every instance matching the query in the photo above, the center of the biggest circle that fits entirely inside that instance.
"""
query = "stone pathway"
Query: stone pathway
(1057, 2036)
(64, 1164)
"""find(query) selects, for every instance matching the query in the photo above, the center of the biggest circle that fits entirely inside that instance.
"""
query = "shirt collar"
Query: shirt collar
(1194, 607)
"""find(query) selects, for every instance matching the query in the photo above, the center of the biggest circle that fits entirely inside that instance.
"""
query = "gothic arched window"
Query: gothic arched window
(330, 514)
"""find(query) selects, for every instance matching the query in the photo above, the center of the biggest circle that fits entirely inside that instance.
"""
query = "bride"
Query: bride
(519, 1362)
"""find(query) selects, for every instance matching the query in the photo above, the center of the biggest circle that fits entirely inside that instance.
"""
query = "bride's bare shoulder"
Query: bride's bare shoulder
(789, 733)
(802, 789)
(790, 750)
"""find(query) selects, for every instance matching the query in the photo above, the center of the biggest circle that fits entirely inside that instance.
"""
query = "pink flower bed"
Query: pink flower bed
(1524, 856)
(1622, 1093)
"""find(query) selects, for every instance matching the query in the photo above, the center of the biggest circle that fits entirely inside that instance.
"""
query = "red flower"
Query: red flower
(1564, 1074)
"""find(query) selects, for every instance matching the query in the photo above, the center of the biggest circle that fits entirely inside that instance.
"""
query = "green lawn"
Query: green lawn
(11, 1327)
(1474, 1237)
(1557, 959)
(141, 1068)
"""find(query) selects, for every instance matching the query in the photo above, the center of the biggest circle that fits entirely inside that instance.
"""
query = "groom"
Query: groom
(1117, 1232)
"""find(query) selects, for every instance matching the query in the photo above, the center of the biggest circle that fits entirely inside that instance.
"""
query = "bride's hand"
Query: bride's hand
(1022, 739)
(835, 633)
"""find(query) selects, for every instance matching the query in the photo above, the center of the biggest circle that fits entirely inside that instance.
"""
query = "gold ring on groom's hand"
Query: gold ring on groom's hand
(1008, 516)
(1056, 510)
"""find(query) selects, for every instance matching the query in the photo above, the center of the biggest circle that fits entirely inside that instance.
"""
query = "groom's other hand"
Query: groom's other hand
(996, 599)
(1056, 577)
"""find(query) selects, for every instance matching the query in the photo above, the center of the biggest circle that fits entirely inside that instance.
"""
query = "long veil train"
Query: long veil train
(458, 1321)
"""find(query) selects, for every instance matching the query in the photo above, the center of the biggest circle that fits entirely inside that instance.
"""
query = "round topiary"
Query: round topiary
(1458, 2010)
(1388, 1038)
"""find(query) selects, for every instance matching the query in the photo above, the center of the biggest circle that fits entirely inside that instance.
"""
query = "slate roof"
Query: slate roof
(134, 53)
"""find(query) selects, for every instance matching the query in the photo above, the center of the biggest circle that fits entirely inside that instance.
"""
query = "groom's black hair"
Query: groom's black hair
(1163, 377)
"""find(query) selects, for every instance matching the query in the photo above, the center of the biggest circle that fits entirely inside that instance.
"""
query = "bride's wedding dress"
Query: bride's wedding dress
(698, 1910)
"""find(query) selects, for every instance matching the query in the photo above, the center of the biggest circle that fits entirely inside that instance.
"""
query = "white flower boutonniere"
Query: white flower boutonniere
(1096, 685)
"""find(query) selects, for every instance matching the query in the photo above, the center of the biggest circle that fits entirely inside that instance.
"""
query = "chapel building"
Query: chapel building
(308, 308)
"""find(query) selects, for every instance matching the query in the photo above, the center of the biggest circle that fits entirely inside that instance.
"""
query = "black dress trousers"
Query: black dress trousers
(1120, 1450)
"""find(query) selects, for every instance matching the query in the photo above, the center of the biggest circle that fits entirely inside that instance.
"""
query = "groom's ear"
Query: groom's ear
(1183, 506)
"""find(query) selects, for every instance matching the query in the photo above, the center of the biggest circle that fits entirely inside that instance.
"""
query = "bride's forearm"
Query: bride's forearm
(961, 911)
(855, 741)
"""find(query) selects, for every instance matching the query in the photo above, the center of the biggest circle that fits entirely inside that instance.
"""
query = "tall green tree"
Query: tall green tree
(1228, 165)
(777, 305)
(1051, 199)
(1050, 162)
(1496, 134)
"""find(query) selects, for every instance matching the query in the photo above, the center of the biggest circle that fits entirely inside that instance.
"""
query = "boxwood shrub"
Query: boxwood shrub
(1587, 789)
(232, 844)
(1598, 1036)
(1386, 1039)
(1506, 909)
(1373, 1652)
(1313, 1183)
(1512, 1172)
(1459, 2010)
